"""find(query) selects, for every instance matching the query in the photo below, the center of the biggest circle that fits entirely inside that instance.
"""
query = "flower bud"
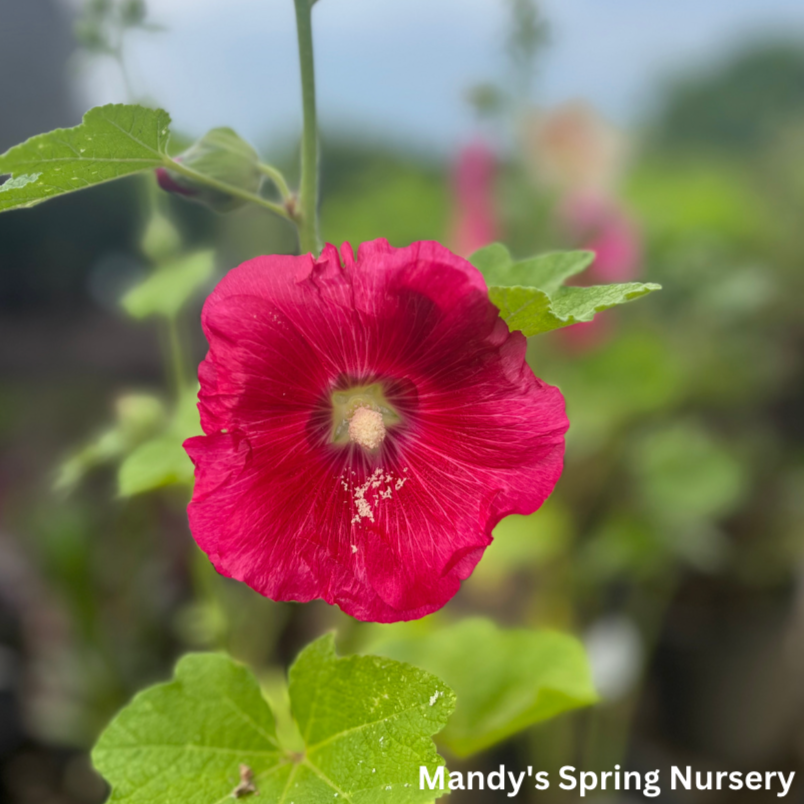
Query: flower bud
(222, 155)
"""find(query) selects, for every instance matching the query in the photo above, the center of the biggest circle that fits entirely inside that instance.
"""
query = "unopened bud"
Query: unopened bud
(223, 156)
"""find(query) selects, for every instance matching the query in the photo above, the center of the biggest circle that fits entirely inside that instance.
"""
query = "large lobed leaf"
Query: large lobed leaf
(505, 680)
(531, 294)
(366, 723)
(184, 741)
(112, 141)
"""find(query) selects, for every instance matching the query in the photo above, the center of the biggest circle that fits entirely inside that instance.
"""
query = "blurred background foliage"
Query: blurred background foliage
(674, 542)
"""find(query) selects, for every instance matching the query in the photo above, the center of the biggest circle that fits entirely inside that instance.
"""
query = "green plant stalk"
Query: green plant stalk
(177, 361)
(308, 193)
(118, 57)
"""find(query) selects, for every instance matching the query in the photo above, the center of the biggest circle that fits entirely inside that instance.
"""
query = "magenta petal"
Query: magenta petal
(389, 535)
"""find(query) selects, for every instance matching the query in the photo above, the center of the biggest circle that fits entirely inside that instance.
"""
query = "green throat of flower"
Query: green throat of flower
(362, 415)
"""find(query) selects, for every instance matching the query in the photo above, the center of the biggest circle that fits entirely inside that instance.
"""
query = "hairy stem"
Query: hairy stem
(308, 195)
(277, 178)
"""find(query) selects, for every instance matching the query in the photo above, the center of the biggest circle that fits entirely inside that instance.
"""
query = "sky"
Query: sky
(399, 69)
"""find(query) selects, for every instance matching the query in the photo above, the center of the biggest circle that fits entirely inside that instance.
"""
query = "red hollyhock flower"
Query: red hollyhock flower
(368, 422)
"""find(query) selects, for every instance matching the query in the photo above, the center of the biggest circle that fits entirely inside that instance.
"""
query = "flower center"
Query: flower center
(367, 428)
(362, 415)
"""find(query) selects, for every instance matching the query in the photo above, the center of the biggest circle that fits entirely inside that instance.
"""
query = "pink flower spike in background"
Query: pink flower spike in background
(475, 222)
(368, 422)
(601, 224)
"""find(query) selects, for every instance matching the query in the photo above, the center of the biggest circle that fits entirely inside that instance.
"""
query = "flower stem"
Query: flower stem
(177, 362)
(308, 197)
(277, 178)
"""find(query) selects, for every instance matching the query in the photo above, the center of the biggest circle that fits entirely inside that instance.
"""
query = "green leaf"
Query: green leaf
(138, 416)
(505, 681)
(184, 740)
(162, 460)
(72, 470)
(170, 286)
(532, 311)
(522, 542)
(544, 271)
(685, 475)
(113, 141)
(366, 721)
(531, 296)
(160, 240)
(154, 464)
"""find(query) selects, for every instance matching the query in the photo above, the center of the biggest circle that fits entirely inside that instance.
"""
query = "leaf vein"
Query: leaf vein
(333, 738)
(256, 726)
(324, 778)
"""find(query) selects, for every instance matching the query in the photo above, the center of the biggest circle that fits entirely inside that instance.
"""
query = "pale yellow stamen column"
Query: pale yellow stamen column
(367, 428)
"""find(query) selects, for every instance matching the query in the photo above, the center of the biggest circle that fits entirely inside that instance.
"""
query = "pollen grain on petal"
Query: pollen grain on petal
(367, 496)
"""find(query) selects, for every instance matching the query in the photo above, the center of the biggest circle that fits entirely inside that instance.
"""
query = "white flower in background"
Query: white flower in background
(616, 651)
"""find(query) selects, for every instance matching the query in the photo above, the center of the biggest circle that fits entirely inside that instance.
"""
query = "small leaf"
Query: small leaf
(138, 417)
(106, 447)
(162, 461)
(113, 141)
(170, 286)
(154, 464)
(367, 723)
(531, 296)
(505, 681)
(533, 311)
(546, 272)
(161, 240)
(581, 303)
